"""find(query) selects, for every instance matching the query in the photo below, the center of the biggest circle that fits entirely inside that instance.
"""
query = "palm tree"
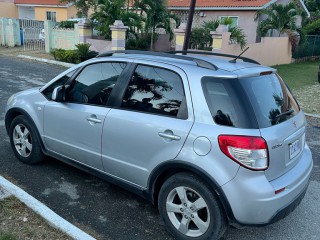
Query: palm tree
(110, 10)
(283, 19)
(279, 17)
(156, 16)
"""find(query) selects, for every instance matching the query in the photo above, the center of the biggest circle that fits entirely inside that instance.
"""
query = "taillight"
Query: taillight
(249, 152)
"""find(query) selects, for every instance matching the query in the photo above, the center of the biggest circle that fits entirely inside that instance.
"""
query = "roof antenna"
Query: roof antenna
(235, 60)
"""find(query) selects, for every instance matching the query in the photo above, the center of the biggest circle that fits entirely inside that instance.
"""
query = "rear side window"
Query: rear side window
(271, 99)
(227, 102)
(254, 102)
(157, 91)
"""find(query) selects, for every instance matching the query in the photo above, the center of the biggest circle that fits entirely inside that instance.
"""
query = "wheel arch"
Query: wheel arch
(160, 174)
(15, 112)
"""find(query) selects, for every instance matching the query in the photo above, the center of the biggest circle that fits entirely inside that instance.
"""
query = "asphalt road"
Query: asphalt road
(109, 212)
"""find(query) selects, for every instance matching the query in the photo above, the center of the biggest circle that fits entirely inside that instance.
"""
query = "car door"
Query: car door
(150, 125)
(73, 128)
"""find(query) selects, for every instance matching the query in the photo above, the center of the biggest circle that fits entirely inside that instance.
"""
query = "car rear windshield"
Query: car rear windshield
(253, 102)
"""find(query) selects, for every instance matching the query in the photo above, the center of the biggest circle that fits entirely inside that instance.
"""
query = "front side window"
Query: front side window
(95, 83)
(60, 82)
(51, 16)
(155, 90)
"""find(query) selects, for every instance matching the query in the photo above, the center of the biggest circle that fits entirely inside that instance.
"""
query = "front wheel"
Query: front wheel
(190, 209)
(24, 141)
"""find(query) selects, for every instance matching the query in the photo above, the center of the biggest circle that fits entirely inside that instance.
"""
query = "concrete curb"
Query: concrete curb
(47, 61)
(51, 217)
(312, 115)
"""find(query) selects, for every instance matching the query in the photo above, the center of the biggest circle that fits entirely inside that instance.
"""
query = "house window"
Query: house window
(234, 20)
(51, 16)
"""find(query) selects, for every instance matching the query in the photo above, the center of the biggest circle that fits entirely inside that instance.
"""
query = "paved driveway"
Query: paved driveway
(107, 211)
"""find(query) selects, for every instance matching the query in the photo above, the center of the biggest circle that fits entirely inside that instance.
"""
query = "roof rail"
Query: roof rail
(215, 54)
(199, 62)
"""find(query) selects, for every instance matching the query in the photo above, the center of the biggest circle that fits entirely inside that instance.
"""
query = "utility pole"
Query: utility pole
(189, 25)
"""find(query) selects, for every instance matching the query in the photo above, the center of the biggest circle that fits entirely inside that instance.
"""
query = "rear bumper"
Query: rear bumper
(252, 197)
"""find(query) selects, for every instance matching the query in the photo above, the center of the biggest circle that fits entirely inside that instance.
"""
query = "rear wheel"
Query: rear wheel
(24, 141)
(190, 209)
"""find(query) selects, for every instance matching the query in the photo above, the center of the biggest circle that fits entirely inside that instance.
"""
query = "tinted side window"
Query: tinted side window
(95, 83)
(272, 101)
(228, 103)
(61, 81)
(155, 90)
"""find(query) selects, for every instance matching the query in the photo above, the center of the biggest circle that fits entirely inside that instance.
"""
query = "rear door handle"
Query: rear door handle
(168, 134)
(94, 119)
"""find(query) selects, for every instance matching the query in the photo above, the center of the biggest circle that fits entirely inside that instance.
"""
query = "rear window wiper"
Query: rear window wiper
(289, 112)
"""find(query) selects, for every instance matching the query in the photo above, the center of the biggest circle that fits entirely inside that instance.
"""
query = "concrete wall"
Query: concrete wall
(8, 9)
(270, 51)
(99, 45)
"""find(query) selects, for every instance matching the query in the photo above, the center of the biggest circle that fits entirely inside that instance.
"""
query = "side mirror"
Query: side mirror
(59, 94)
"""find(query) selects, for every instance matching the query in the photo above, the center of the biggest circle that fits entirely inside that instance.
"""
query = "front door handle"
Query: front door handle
(94, 119)
(168, 134)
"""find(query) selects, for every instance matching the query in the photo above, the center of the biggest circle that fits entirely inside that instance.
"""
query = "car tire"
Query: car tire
(190, 208)
(25, 141)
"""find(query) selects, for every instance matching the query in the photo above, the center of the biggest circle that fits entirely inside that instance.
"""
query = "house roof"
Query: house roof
(40, 2)
(219, 3)
(227, 4)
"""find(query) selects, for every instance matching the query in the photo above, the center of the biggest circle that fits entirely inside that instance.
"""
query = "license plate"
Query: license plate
(294, 149)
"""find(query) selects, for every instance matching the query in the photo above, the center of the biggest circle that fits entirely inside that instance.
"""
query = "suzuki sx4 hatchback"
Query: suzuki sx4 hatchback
(211, 142)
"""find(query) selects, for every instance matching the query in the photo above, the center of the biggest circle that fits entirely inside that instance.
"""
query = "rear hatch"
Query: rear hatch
(281, 123)
(264, 103)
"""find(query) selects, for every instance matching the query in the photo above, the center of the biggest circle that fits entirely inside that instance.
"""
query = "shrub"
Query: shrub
(84, 51)
(139, 42)
(70, 56)
(67, 24)
(200, 39)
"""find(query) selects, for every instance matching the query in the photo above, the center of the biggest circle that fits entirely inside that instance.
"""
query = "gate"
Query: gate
(33, 35)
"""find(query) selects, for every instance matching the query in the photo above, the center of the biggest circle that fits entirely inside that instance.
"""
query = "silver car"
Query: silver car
(211, 142)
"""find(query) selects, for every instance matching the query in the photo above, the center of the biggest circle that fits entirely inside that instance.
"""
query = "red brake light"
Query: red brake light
(250, 152)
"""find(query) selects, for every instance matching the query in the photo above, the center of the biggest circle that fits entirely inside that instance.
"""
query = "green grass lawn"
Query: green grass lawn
(299, 75)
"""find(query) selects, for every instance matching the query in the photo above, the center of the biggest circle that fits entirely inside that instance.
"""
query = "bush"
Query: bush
(140, 42)
(70, 56)
(84, 51)
(67, 24)
(201, 39)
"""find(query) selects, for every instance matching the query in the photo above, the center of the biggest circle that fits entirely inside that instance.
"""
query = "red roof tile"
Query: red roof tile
(39, 2)
(219, 3)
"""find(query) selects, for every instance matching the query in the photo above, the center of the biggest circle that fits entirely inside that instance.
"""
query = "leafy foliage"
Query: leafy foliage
(84, 51)
(67, 24)
(238, 36)
(200, 39)
(156, 15)
(83, 6)
(69, 56)
(279, 17)
(108, 11)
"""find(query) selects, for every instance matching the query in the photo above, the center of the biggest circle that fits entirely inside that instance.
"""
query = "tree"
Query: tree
(156, 16)
(281, 18)
(83, 6)
(110, 10)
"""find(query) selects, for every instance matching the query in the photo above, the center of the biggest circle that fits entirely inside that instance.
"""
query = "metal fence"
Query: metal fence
(32, 35)
(309, 48)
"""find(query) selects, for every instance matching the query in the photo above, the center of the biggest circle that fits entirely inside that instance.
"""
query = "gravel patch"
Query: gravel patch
(309, 98)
